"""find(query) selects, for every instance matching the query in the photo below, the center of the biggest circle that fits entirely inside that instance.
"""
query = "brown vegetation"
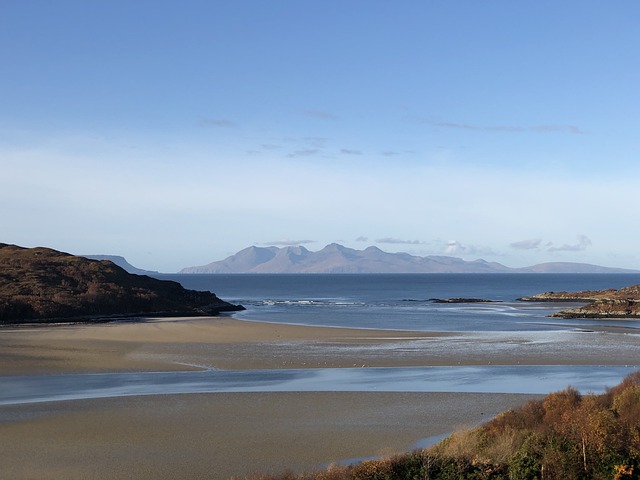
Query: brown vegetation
(566, 436)
(40, 284)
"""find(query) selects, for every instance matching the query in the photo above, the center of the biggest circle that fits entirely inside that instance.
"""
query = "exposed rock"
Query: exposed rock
(44, 285)
(610, 303)
(462, 300)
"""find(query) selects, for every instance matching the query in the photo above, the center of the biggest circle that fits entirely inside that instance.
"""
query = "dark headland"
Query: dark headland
(41, 285)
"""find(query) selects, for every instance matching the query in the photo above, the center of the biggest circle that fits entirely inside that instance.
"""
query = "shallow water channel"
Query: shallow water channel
(471, 379)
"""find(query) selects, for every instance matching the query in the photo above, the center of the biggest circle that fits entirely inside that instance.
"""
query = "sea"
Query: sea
(405, 301)
(386, 302)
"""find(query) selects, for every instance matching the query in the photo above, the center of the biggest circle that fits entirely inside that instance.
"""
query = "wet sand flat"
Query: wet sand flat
(173, 344)
(215, 436)
(227, 343)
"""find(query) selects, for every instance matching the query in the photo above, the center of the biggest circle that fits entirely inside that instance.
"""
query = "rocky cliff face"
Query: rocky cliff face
(609, 303)
(41, 285)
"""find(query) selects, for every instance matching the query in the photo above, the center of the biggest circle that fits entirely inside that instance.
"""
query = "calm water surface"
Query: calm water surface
(479, 379)
(404, 301)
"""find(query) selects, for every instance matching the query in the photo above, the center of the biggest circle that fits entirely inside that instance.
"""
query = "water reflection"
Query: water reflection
(472, 379)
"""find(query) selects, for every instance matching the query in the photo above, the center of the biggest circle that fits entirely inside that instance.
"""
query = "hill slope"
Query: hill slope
(121, 262)
(41, 284)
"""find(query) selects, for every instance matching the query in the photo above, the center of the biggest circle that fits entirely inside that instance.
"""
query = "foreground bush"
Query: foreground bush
(566, 436)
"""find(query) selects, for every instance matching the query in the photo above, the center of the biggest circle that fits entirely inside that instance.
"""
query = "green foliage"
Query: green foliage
(526, 463)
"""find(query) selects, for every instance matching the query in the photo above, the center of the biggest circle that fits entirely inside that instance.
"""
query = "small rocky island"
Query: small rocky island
(462, 300)
(41, 285)
(610, 303)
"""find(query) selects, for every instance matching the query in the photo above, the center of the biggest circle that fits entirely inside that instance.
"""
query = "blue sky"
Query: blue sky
(177, 133)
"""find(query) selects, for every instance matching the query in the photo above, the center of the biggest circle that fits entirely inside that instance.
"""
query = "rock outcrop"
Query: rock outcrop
(610, 303)
(462, 300)
(45, 285)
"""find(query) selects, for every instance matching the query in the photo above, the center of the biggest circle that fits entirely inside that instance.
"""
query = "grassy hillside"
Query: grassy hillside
(40, 285)
(566, 436)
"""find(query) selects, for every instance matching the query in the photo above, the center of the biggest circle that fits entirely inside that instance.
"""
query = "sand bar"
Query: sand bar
(227, 343)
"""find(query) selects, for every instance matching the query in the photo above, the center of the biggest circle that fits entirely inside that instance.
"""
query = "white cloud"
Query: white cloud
(583, 243)
(529, 244)
(454, 247)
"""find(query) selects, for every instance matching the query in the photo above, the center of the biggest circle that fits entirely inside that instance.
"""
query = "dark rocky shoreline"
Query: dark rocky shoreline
(41, 285)
(462, 300)
(610, 303)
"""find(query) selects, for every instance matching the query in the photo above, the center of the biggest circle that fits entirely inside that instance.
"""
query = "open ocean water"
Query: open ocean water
(403, 301)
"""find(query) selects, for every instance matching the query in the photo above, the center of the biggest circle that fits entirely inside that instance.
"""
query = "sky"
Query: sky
(176, 133)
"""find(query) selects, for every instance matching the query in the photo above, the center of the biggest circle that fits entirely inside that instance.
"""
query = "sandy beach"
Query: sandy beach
(223, 434)
(228, 343)
(216, 436)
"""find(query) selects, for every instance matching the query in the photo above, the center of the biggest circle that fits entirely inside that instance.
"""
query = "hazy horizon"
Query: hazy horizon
(178, 134)
(241, 254)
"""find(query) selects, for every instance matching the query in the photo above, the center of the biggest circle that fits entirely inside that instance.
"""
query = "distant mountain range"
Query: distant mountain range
(335, 258)
(122, 263)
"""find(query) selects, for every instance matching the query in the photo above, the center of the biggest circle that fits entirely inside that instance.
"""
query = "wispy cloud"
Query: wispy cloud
(362, 239)
(558, 129)
(529, 244)
(306, 146)
(318, 142)
(288, 243)
(583, 243)
(320, 114)
(308, 152)
(398, 241)
(217, 122)
(348, 151)
(568, 129)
